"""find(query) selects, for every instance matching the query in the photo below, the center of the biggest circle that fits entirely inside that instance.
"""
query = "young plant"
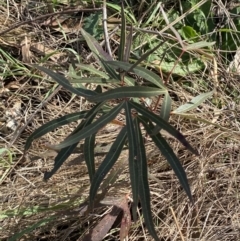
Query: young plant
(129, 96)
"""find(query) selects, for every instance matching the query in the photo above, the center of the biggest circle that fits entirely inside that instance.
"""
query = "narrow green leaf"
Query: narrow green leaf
(93, 80)
(61, 157)
(144, 192)
(89, 68)
(199, 45)
(92, 128)
(65, 83)
(145, 56)
(169, 154)
(107, 163)
(163, 125)
(132, 161)
(65, 152)
(51, 125)
(128, 45)
(127, 92)
(121, 49)
(95, 47)
(111, 72)
(166, 107)
(89, 155)
(140, 71)
(29, 230)
(195, 102)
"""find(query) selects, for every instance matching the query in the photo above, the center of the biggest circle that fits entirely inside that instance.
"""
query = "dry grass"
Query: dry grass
(25, 199)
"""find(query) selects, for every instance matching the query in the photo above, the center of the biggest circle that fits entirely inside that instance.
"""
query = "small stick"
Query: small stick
(175, 219)
(46, 16)
(106, 36)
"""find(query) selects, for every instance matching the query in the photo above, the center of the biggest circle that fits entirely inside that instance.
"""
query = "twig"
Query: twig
(46, 16)
(106, 36)
(175, 219)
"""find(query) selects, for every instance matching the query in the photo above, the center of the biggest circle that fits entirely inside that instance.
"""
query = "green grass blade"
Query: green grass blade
(89, 155)
(30, 229)
(95, 47)
(144, 192)
(92, 128)
(65, 83)
(121, 49)
(140, 71)
(51, 125)
(127, 92)
(170, 156)
(195, 102)
(163, 125)
(107, 164)
(132, 162)
(166, 107)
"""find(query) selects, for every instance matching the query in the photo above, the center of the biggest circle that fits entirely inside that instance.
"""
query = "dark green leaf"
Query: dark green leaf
(107, 163)
(144, 192)
(95, 47)
(128, 45)
(140, 71)
(51, 125)
(89, 68)
(92, 128)
(111, 72)
(132, 162)
(169, 154)
(162, 124)
(89, 155)
(61, 157)
(166, 107)
(95, 80)
(145, 56)
(65, 83)
(127, 92)
(65, 152)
